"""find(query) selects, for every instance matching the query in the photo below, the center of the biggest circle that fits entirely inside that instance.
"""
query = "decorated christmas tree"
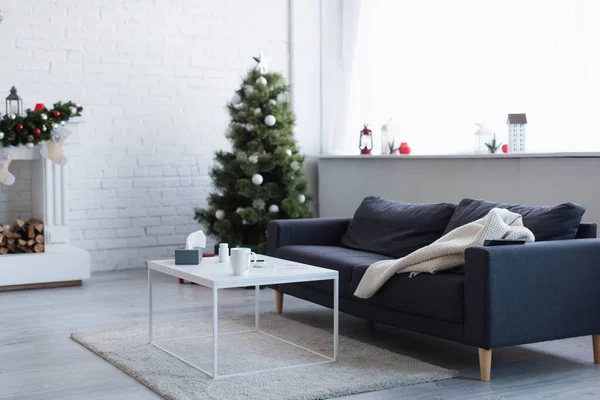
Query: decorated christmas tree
(262, 178)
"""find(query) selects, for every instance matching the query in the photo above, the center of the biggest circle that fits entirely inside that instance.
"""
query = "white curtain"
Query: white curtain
(437, 67)
(340, 30)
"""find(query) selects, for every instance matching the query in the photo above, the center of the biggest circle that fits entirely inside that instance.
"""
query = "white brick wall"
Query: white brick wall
(154, 78)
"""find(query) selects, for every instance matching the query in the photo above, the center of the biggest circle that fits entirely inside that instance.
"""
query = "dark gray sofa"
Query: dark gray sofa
(505, 296)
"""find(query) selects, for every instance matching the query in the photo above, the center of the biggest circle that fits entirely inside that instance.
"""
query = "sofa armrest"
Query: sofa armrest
(313, 231)
(531, 293)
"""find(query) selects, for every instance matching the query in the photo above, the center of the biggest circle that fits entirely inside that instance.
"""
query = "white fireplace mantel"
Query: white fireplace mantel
(61, 262)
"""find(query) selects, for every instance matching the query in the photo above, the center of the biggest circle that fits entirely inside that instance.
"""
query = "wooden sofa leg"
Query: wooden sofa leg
(279, 302)
(596, 342)
(485, 364)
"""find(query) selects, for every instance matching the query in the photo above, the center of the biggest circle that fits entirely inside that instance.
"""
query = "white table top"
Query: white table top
(211, 273)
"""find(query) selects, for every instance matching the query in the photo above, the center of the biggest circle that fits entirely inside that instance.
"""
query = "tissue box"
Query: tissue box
(188, 257)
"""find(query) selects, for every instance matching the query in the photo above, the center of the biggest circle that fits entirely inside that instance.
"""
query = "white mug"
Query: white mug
(240, 260)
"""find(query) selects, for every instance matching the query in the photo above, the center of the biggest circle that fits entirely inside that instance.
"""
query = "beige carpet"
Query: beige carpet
(360, 366)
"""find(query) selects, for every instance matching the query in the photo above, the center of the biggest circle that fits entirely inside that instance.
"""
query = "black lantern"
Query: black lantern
(14, 104)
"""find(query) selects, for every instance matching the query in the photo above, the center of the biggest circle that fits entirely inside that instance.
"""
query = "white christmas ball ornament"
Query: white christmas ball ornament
(236, 98)
(270, 120)
(262, 81)
(244, 222)
(1, 135)
(220, 214)
(44, 117)
(249, 128)
(62, 123)
(29, 145)
(273, 208)
(239, 210)
(73, 110)
(253, 158)
(257, 179)
(295, 165)
(288, 152)
(257, 111)
(281, 97)
(249, 89)
(301, 198)
(273, 102)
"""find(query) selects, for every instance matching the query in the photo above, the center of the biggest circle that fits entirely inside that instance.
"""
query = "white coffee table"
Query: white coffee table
(215, 275)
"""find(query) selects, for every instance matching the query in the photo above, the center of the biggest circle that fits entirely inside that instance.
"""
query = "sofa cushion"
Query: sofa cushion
(439, 296)
(332, 257)
(396, 229)
(546, 222)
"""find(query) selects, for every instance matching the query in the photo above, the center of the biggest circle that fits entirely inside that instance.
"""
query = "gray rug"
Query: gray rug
(360, 367)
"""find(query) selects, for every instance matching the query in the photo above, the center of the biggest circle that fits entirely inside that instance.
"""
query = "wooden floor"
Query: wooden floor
(39, 361)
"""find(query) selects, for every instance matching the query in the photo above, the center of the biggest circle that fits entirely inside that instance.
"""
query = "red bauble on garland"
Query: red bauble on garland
(19, 127)
(505, 148)
(37, 131)
(56, 113)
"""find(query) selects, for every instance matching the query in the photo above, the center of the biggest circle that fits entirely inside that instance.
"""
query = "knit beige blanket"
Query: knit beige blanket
(446, 252)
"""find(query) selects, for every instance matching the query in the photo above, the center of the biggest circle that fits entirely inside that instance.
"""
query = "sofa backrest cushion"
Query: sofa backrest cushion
(396, 229)
(558, 222)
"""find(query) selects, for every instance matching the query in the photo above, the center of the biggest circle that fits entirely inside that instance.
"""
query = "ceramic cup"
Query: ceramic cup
(241, 262)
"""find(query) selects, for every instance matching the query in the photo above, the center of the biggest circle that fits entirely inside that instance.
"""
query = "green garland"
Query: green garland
(36, 126)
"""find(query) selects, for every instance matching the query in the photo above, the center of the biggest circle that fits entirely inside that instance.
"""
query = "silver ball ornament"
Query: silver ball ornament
(270, 120)
(262, 81)
(44, 128)
(220, 214)
(62, 123)
(273, 208)
(44, 117)
(55, 126)
(301, 198)
(288, 152)
(257, 179)
(236, 98)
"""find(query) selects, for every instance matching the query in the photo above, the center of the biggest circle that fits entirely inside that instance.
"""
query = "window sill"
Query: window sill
(468, 156)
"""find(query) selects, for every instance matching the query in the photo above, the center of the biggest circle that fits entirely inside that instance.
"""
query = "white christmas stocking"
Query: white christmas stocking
(5, 158)
(52, 149)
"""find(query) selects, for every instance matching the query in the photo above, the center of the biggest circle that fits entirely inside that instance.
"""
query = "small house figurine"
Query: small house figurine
(517, 124)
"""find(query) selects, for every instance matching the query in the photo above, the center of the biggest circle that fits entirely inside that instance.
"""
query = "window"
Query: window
(437, 67)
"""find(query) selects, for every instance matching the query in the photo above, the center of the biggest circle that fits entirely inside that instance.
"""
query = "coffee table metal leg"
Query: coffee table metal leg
(150, 338)
(335, 317)
(256, 307)
(215, 333)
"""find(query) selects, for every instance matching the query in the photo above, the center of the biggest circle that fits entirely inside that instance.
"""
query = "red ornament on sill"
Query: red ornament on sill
(19, 127)
(505, 148)
(56, 113)
(365, 141)
(37, 131)
(39, 107)
(404, 149)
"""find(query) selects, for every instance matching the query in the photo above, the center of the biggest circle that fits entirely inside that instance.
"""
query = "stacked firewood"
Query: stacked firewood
(22, 237)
